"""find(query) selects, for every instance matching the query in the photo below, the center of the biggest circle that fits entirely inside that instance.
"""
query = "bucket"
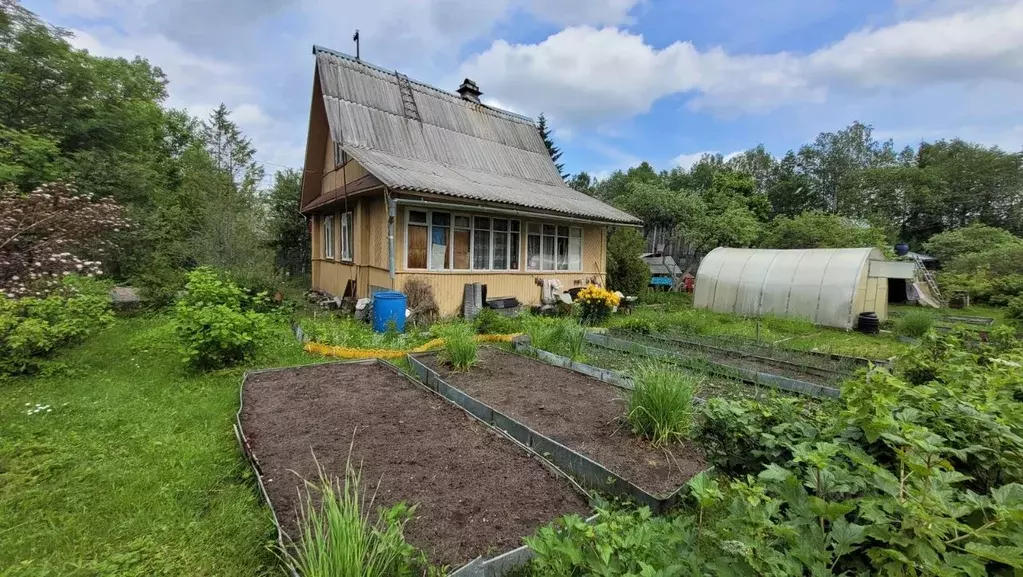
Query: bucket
(868, 323)
(389, 306)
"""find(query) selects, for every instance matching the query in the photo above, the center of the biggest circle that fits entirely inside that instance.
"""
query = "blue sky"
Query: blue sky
(620, 80)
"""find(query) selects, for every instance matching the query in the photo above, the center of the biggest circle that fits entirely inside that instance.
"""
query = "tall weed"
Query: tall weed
(461, 350)
(337, 536)
(661, 405)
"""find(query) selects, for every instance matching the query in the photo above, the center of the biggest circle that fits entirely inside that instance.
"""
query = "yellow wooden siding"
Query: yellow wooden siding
(334, 179)
(376, 232)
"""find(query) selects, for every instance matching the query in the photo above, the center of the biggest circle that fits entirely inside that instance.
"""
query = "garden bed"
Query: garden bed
(733, 371)
(580, 413)
(477, 492)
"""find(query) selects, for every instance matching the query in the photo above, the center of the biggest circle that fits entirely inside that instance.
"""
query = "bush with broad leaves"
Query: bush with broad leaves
(31, 328)
(52, 232)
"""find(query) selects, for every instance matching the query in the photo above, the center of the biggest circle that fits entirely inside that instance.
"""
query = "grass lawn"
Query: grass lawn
(788, 333)
(996, 313)
(135, 470)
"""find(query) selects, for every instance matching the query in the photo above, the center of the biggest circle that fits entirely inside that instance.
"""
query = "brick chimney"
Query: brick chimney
(469, 91)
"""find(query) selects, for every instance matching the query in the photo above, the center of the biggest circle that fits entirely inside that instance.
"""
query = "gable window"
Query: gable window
(347, 237)
(446, 241)
(551, 247)
(328, 237)
(340, 156)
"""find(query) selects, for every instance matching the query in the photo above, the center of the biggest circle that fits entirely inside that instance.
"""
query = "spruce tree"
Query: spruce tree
(554, 151)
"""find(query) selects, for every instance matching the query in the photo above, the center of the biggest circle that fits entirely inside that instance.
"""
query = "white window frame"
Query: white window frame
(347, 237)
(328, 236)
(541, 235)
(472, 241)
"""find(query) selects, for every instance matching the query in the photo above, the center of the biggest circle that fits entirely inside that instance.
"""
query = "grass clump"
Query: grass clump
(661, 404)
(338, 538)
(461, 350)
(561, 336)
(914, 324)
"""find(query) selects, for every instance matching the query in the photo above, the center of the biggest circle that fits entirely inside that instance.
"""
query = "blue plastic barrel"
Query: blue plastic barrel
(388, 306)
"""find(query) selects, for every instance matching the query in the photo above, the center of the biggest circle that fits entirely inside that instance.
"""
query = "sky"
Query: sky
(620, 81)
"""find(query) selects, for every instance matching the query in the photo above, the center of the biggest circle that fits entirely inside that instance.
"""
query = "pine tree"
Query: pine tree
(554, 151)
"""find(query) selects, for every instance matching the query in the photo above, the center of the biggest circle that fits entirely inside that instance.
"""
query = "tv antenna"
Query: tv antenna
(355, 39)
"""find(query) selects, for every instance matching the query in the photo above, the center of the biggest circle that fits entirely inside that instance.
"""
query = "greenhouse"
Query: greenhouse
(828, 287)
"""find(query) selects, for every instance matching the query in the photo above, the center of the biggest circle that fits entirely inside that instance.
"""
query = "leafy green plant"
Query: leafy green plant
(491, 322)
(337, 536)
(216, 323)
(32, 328)
(661, 404)
(561, 336)
(461, 350)
(914, 324)
(345, 331)
(617, 542)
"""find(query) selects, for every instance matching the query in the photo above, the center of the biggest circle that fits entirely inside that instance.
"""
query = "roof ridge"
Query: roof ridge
(452, 95)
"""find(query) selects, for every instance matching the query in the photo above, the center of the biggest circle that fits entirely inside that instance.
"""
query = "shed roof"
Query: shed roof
(456, 148)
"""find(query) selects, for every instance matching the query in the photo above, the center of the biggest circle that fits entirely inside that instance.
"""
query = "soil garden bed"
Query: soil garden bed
(577, 411)
(477, 492)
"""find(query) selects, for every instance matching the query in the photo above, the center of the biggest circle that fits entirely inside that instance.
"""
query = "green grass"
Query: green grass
(136, 470)
(914, 324)
(788, 333)
(460, 350)
(661, 404)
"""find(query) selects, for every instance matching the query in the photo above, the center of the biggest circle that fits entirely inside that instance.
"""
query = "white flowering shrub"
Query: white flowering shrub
(50, 233)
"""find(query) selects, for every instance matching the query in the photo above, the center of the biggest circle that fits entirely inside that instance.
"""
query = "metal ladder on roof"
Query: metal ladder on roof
(408, 101)
(928, 277)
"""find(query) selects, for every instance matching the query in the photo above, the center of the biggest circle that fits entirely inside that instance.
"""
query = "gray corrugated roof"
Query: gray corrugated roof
(460, 148)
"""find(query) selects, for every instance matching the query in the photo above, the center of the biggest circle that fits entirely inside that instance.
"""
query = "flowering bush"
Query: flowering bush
(53, 232)
(596, 303)
(31, 328)
(217, 322)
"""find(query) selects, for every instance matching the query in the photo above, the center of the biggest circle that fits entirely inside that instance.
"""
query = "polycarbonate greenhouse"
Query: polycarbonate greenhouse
(828, 287)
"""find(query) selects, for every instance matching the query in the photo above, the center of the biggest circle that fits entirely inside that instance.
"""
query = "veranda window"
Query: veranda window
(347, 237)
(446, 241)
(551, 247)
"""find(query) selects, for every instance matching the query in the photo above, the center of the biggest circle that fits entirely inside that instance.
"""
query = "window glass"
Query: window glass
(533, 261)
(562, 231)
(481, 223)
(481, 247)
(440, 256)
(575, 249)
(549, 229)
(562, 253)
(417, 216)
(441, 219)
(533, 228)
(500, 224)
(513, 253)
(500, 261)
(347, 237)
(417, 237)
(548, 253)
(463, 222)
(462, 242)
(515, 226)
(328, 236)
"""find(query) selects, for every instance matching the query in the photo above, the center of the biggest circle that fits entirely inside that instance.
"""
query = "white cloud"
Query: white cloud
(593, 12)
(584, 75)
(686, 161)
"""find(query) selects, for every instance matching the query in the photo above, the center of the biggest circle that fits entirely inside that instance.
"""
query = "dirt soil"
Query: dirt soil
(580, 412)
(477, 492)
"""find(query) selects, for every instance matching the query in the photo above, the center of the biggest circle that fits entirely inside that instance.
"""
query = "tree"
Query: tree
(548, 141)
(289, 232)
(757, 163)
(822, 230)
(583, 183)
(626, 271)
(975, 238)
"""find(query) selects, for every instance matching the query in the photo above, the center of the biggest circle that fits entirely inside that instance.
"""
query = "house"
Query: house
(403, 180)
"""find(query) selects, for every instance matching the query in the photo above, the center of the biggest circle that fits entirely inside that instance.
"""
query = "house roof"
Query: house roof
(456, 147)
